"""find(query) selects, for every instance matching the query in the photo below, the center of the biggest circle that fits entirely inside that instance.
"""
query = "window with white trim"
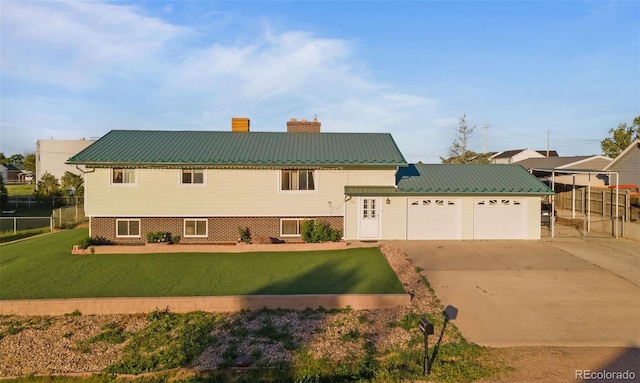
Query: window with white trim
(128, 228)
(123, 176)
(294, 179)
(290, 227)
(195, 227)
(192, 177)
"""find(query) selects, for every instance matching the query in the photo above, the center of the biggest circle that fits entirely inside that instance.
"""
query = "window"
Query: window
(195, 227)
(192, 177)
(297, 180)
(290, 227)
(369, 208)
(123, 176)
(128, 228)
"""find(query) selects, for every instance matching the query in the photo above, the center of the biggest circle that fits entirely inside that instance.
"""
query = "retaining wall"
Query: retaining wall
(92, 306)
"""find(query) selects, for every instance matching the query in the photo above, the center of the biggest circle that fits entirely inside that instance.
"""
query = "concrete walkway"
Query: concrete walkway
(565, 291)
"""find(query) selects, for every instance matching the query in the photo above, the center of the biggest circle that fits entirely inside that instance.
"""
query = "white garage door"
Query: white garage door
(500, 218)
(434, 218)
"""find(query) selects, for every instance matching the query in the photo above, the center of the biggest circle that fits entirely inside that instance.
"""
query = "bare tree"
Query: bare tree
(458, 153)
(464, 132)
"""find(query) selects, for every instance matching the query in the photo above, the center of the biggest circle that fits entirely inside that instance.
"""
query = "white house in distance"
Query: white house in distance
(203, 185)
(51, 156)
(513, 156)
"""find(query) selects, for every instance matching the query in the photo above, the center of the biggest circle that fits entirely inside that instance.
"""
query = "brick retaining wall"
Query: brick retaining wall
(94, 306)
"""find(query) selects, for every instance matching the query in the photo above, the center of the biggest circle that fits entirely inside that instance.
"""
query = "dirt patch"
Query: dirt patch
(563, 364)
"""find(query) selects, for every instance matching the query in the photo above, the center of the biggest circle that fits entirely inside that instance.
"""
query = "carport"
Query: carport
(591, 175)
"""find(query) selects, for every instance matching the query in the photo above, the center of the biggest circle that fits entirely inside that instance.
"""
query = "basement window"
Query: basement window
(195, 228)
(128, 228)
(290, 227)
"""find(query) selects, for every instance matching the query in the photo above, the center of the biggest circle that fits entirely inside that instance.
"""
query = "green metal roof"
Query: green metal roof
(457, 179)
(469, 179)
(209, 148)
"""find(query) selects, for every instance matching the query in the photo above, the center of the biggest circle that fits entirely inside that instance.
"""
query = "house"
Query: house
(51, 156)
(627, 164)
(512, 156)
(204, 185)
(11, 174)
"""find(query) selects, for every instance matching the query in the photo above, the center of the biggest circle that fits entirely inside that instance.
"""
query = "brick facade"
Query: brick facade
(220, 229)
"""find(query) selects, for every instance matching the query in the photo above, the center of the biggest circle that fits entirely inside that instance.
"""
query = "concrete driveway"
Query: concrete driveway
(566, 291)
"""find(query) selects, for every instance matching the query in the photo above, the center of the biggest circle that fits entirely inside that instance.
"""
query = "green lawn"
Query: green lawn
(44, 268)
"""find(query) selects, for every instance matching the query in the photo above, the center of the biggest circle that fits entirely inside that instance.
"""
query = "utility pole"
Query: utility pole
(547, 143)
(486, 126)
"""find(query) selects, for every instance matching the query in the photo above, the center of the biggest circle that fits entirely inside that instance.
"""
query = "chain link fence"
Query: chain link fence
(69, 216)
(12, 225)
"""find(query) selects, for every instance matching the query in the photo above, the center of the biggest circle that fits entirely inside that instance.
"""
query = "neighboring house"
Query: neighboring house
(542, 168)
(11, 174)
(511, 156)
(627, 164)
(51, 156)
(203, 185)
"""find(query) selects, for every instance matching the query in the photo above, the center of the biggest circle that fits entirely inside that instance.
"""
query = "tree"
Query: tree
(3, 160)
(4, 195)
(621, 138)
(458, 153)
(16, 159)
(29, 162)
(73, 182)
(469, 157)
(48, 186)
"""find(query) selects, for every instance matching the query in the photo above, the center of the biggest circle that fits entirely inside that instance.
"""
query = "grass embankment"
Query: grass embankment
(44, 268)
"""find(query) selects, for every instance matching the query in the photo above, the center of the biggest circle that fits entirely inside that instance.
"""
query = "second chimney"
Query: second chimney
(303, 126)
(239, 124)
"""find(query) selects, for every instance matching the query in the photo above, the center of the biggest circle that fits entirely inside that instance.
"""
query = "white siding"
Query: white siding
(228, 192)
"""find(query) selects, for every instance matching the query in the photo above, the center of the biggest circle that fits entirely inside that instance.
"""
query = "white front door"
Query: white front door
(369, 222)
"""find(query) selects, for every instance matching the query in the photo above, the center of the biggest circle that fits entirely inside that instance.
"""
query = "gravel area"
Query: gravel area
(52, 345)
(46, 345)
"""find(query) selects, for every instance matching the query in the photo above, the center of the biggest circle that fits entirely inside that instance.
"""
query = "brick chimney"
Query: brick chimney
(303, 126)
(239, 124)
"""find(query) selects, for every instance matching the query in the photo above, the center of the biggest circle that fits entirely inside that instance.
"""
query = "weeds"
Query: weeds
(169, 340)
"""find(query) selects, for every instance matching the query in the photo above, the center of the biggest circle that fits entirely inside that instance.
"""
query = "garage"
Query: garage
(500, 218)
(434, 218)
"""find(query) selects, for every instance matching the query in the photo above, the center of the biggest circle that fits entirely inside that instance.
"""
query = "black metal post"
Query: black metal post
(427, 367)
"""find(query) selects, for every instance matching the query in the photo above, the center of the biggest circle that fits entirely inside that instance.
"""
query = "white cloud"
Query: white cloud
(74, 44)
(159, 83)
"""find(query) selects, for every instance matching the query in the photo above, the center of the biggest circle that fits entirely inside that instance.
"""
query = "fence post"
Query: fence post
(15, 225)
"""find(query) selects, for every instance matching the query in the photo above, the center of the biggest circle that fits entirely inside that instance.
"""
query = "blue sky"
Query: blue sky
(79, 69)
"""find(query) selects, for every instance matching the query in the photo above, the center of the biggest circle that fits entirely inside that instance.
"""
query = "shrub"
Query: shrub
(175, 239)
(244, 235)
(158, 236)
(88, 242)
(315, 232)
